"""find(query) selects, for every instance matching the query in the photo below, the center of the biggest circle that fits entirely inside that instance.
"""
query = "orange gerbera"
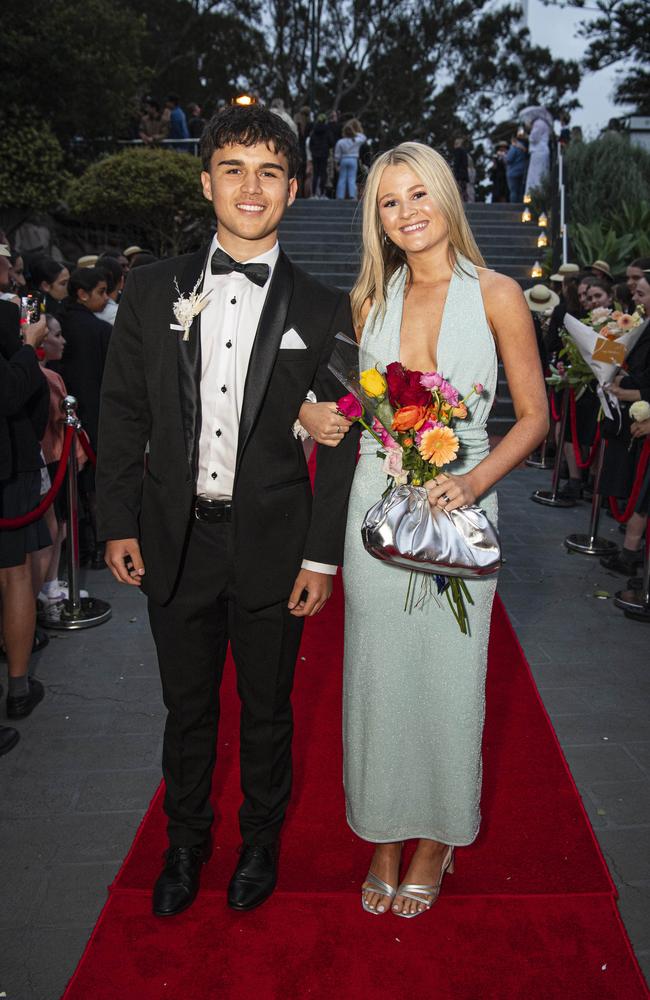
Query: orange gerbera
(439, 446)
(408, 417)
(459, 411)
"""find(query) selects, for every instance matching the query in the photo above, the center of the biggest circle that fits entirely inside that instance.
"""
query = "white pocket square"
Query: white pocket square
(292, 340)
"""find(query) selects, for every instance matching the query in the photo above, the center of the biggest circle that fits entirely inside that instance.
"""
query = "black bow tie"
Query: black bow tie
(222, 263)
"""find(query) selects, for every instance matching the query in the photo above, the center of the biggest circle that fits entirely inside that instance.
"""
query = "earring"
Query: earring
(386, 238)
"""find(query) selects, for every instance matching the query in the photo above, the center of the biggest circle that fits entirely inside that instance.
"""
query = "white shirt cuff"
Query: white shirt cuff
(317, 567)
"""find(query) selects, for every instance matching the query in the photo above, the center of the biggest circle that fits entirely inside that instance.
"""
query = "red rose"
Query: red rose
(404, 387)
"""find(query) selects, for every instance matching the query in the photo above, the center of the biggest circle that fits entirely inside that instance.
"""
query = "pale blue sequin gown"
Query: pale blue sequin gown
(414, 686)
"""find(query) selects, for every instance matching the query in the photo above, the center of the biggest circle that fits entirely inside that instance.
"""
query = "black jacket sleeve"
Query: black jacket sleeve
(334, 466)
(124, 425)
(20, 379)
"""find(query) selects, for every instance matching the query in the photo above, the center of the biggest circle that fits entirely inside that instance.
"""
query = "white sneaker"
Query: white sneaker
(64, 591)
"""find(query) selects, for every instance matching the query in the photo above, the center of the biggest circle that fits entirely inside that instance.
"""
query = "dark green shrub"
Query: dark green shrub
(31, 163)
(603, 175)
(156, 190)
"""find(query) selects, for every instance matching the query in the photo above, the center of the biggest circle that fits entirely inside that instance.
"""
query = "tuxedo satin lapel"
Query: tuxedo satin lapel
(189, 359)
(265, 347)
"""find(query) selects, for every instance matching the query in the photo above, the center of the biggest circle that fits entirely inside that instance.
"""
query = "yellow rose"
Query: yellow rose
(373, 383)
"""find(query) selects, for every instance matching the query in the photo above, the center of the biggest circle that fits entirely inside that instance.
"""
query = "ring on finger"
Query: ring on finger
(445, 498)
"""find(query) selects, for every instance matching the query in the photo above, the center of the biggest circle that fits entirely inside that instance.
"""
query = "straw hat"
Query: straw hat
(557, 277)
(132, 251)
(4, 250)
(541, 299)
(602, 265)
(568, 269)
(88, 260)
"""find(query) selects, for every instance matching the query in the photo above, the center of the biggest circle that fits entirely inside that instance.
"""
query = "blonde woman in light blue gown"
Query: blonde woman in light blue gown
(414, 686)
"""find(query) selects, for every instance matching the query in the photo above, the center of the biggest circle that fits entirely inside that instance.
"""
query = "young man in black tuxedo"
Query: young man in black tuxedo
(222, 532)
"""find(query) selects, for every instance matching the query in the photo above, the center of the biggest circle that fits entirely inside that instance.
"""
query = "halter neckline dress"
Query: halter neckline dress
(414, 686)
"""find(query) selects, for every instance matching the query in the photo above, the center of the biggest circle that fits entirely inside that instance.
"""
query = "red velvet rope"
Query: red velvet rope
(574, 435)
(34, 515)
(554, 414)
(87, 447)
(644, 459)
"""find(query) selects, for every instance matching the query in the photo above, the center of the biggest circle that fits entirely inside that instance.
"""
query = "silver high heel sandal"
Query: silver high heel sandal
(375, 884)
(425, 894)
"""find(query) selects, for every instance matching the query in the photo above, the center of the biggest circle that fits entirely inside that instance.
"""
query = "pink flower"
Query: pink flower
(387, 439)
(431, 380)
(393, 463)
(448, 393)
(349, 407)
(479, 388)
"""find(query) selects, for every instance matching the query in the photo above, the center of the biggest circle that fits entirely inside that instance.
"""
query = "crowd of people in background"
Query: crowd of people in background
(58, 351)
(79, 302)
(336, 154)
(576, 291)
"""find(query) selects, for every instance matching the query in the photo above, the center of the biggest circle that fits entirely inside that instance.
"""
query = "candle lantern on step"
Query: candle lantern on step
(542, 220)
(542, 240)
(536, 270)
(526, 215)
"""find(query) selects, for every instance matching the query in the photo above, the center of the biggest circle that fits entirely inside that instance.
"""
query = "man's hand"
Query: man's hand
(318, 587)
(124, 559)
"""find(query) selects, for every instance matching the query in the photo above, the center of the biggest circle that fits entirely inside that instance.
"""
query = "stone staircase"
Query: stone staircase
(324, 237)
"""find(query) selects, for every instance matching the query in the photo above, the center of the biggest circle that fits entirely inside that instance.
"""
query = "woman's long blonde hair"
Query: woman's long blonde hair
(380, 258)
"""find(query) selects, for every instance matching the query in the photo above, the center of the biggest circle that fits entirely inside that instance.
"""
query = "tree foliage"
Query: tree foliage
(201, 50)
(156, 190)
(416, 70)
(78, 63)
(603, 175)
(32, 174)
(618, 36)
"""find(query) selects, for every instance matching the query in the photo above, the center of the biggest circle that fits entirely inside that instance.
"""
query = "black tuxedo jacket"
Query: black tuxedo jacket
(24, 398)
(151, 392)
(82, 366)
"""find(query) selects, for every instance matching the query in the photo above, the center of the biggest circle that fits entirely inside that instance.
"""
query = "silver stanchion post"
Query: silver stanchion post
(77, 612)
(591, 544)
(636, 603)
(552, 497)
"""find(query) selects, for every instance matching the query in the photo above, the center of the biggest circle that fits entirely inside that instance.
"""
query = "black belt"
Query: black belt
(212, 511)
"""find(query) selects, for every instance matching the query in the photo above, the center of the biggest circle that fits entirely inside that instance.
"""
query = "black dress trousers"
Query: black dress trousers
(191, 633)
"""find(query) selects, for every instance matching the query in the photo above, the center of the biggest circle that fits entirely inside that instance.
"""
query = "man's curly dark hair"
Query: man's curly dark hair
(243, 126)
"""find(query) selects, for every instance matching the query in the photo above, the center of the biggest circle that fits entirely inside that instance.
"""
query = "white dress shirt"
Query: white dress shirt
(228, 325)
(229, 322)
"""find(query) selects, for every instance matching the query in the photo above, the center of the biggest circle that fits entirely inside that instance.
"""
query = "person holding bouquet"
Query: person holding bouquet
(427, 312)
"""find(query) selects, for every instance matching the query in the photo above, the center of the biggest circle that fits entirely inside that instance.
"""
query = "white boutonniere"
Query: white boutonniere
(186, 307)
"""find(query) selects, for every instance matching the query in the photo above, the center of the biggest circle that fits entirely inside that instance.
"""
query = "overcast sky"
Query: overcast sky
(556, 29)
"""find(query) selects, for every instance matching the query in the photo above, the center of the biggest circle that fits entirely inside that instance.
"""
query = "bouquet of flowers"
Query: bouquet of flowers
(411, 415)
(595, 348)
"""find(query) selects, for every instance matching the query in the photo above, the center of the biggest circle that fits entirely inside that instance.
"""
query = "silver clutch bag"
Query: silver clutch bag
(402, 528)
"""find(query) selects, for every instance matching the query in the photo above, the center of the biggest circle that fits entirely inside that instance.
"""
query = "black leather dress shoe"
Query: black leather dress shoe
(178, 883)
(8, 739)
(255, 876)
(22, 706)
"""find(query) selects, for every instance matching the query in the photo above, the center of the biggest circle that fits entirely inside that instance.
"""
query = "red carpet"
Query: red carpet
(529, 913)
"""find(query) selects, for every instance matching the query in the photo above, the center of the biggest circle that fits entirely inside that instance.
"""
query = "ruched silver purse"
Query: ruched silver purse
(402, 528)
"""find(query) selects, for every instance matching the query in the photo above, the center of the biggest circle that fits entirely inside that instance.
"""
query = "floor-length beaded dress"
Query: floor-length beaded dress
(414, 686)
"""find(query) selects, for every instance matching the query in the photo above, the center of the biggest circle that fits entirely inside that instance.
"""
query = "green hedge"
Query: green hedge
(608, 183)
(31, 163)
(157, 190)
